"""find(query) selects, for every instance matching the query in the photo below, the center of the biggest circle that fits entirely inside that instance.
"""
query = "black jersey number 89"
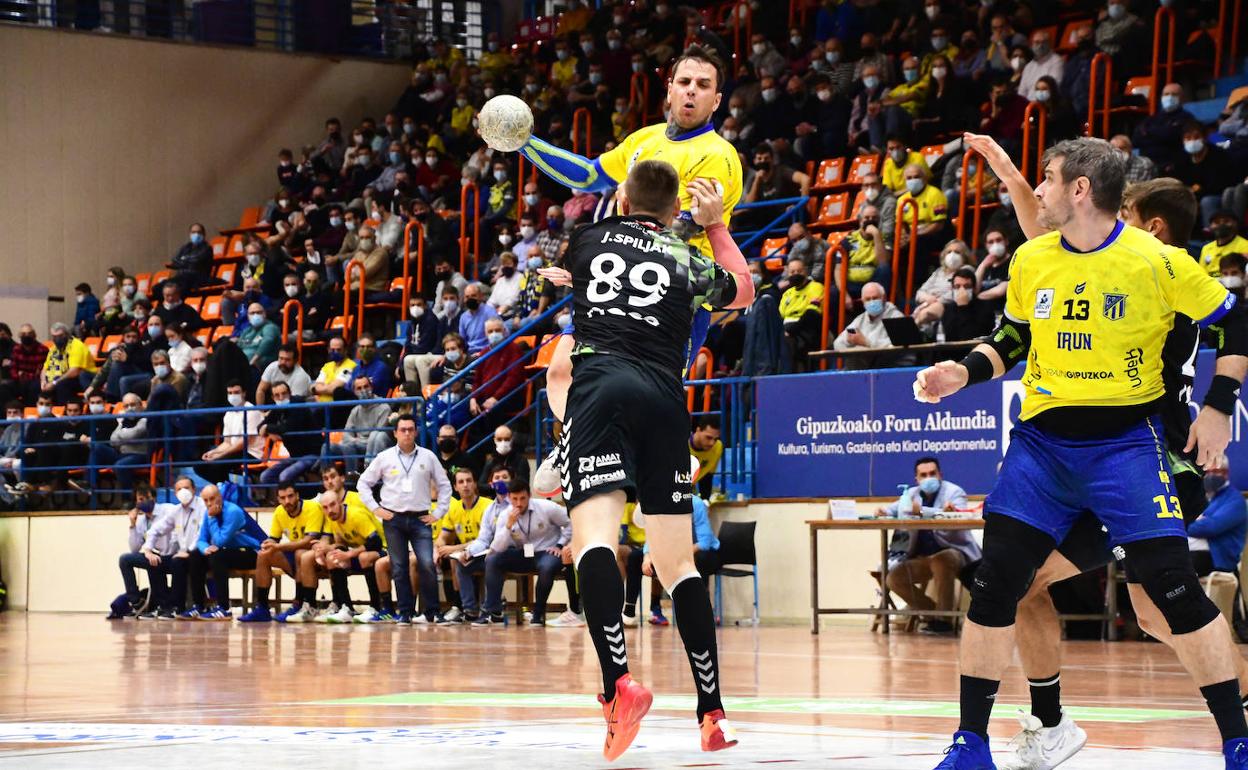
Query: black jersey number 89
(649, 281)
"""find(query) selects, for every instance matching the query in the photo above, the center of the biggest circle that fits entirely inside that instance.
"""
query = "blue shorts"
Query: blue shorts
(1125, 481)
(697, 335)
(290, 559)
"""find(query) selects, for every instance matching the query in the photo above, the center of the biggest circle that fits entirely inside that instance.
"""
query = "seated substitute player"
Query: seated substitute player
(1087, 438)
(1164, 208)
(689, 142)
(300, 523)
(459, 526)
(636, 287)
(470, 557)
(352, 543)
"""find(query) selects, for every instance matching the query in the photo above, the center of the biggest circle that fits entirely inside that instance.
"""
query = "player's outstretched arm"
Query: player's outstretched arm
(1007, 346)
(708, 211)
(567, 168)
(1021, 194)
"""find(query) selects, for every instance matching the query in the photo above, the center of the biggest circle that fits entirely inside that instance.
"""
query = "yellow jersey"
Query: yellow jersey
(75, 355)
(1211, 253)
(309, 520)
(862, 262)
(1099, 319)
(708, 460)
(893, 175)
(697, 153)
(932, 203)
(464, 522)
(356, 527)
(795, 302)
(338, 373)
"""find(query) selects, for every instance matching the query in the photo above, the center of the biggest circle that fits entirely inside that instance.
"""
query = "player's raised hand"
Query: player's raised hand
(556, 275)
(991, 151)
(936, 382)
(708, 202)
(1209, 436)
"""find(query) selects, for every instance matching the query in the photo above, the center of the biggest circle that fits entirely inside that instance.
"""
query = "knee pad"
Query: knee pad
(1164, 567)
(1013, 551)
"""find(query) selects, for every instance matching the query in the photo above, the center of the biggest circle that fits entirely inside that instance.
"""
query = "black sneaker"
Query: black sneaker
(468, 618)
(166, 615)
(148, 615)
(443, 620)
(537, 620)
(938, 628)
(488, 619)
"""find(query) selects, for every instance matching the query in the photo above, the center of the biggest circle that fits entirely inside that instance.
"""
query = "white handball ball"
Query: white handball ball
(505, 123)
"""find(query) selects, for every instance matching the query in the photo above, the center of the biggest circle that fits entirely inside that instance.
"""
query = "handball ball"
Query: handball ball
(505, 123)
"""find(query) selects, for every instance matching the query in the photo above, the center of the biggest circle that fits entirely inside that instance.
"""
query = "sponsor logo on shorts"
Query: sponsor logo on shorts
(1133, 360)
(590, 464)
(1044, 303)
(598, 479)
(1074, 341)
(684, 478)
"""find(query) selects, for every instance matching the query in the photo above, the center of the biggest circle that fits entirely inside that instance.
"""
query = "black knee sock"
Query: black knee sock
(448, 587)
(1046, 699)
(306, 595)
(387, 602)
(338, 587)
(262, 596)
(602, 592)
(1227, 708)
(574, 594)
(691, 606)
(374, 593)
(978, 696)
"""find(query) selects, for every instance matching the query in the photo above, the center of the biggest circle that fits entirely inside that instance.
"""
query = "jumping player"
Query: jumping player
(1089, 306)
(689, 143)
(636, 286)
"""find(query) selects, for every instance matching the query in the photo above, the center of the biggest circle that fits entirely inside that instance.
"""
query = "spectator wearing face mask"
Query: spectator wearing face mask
(315, 300)
(112, 318)
(811, 250)
(365, 433)
(774, 116)
(421, 348)
(86, 310)
(329, 239)
(933, 211)
(1139, 167)
(69, 366)
(1226, 241)
(971, 63)
(526, 246)
(951, 182)
(551, 240)
(473, 319)
(297, 432)
(164, 374)
(395, 162)
(1222, 527)
(1207, 169)
(260, 339)
(358, 172)
(869, 255)
(867, 331)
(901, 104)
(285, 370)
(447, 277)
(992, 274)
(1232, 273)
(534, 208)
(946, 109)
(500, 197)
(351, 220)
(127, 448)
(130, 295)
(966, 316)
(240, 440)
(505, 293)
(389, 230)
(898, 156)
(938, 287)
(801, 313)
(1048, 63)
(743, 122)
(505, 454)
(451, 455)
(193, 261)
(174, 312)
(1003, 118)
(375, 259)
(179, 346)
(370, 364)
(279, 210)
(1117, 29)
(496, 379)
(336, 373)
(773, 180)
(29, 356)
(199, 366)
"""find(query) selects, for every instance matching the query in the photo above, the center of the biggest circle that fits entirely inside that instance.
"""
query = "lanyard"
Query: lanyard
(407, 467)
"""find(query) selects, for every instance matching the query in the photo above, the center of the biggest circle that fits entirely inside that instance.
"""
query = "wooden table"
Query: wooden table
(886, 525)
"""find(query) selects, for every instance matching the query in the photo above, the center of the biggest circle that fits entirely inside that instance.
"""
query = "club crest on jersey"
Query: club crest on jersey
(1044, 303)
(1115, 306)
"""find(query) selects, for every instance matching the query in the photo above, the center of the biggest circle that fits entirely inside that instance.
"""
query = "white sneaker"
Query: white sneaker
(568, 619)
(343, 615)
(1042, 748)
(306, 614)
(369, 615)
(546, 479)
(631, 621)
(453, 615)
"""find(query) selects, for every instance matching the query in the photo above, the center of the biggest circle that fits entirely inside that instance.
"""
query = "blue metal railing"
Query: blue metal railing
(794, 211)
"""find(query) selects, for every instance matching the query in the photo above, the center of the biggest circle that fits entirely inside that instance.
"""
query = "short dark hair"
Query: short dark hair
(652, 187)
(925, 460)
(1233, 260)
(966, 272)
(14, 403)
(706, 421)
(286, 347)
(518, 484)
(85, 288)
(144, 489)
(286, 485)
(405, 418)
(1167, 198)
(701, 53)
(234, 383)
(1097, 160)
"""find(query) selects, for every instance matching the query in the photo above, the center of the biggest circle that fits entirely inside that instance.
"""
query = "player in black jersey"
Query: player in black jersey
(636, 287)
(1167, 209)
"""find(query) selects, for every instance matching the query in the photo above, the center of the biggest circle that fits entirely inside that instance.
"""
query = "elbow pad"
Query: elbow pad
(567, 168)
(1011, 339)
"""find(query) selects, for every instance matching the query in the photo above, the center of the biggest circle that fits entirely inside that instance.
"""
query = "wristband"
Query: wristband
(978, 367)
(1223, 394)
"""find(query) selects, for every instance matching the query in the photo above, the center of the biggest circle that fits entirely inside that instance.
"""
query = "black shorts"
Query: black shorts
(627, 428)
(1087, 546)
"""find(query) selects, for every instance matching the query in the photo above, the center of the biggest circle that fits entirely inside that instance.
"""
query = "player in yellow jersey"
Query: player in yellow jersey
(352, 543)
(1089, 306)
(459, 525)
(300, 523)
(689, 143)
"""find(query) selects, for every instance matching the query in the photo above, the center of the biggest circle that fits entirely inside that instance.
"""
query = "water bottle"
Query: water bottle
(904, 503)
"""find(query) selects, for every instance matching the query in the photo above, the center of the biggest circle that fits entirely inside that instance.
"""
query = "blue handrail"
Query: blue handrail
(794, 206)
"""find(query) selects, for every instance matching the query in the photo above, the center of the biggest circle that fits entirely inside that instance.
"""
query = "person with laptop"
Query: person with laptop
(868, 331)
(801, 311)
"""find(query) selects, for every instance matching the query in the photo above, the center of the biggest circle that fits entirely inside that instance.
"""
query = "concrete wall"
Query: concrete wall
(113, 146)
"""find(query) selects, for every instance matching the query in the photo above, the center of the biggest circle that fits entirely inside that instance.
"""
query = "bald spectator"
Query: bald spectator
(809, 249)
(1139, 168)
(1047, 63)
(1159, 136)
(867, 331)
(260, 339)
(476, 314)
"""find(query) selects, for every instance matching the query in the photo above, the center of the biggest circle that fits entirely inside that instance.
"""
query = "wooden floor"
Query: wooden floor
(79, 691)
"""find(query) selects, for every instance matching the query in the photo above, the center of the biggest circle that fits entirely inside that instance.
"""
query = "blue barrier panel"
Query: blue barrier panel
(845, 434)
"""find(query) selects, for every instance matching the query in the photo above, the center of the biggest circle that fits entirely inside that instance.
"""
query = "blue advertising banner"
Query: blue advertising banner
(857, 434)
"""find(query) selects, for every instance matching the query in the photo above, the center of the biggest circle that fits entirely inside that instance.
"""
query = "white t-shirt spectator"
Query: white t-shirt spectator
(298, 380)
(506, 291)
(232, 427)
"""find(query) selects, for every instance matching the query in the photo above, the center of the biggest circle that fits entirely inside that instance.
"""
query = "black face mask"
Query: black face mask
(798, 280)
(868, 222)
(28, 339)
(508, 271)
(472, 304)
(762, 165)
(447, 445)
(1223, 232)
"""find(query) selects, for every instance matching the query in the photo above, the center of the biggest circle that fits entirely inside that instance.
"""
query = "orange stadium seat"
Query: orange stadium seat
(225, 273)
(830, 173)
(861, 166)
(1070, 35)
(775, 246)
(222, 332)
(107, 345)
(833, 210)
(210, 311)
(160, 276)
(932, 153)
(545, 353)
(93, 344)
(251, 215)
(143, 281)
(195, 302)
(204, 336)
(219, 245)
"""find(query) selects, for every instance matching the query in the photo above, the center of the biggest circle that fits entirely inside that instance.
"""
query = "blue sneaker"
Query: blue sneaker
(403, 619)
(969, 752)
(217, 613)
(286, 613)
(191, 614)
(1236, 753)
(258, 614)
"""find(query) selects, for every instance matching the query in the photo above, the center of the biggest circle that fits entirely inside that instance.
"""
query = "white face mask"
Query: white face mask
(940, 72)
(871, 194)
(503, 446)
(759, 48)
(199, 367)
(531, 199)
(161, 371)
(281, 401)
(1232, 281)
(128, 289)
(824, 95)
(256, 319)
(235, 399)
(527, 232)
(1017, 63)
(96, 408)
(1041, 96)
(996, 249)
(914, 186)
(184, 495)
(953, 260)
(110, 280)
(292, 291)
(504, 239)
(43, 410)
(416, 311)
